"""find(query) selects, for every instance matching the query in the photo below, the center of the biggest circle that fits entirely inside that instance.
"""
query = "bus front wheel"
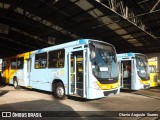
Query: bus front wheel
(15, 84)
(59, 91)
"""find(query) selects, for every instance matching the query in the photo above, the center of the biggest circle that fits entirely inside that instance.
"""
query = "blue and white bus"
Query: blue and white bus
(134, 71)
(85, 68)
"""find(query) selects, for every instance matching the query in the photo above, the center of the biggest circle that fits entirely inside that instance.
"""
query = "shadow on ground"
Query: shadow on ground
(2, 84)
(51, 109)
(127, 90)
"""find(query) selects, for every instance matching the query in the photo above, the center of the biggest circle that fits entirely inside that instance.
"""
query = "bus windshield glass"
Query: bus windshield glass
(142, 66)
(104, 61)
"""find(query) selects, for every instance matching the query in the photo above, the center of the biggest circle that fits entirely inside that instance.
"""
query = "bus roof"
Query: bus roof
(61, 46)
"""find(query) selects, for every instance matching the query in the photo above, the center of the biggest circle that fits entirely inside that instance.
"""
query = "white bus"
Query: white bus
(134, 71)
(85, 68)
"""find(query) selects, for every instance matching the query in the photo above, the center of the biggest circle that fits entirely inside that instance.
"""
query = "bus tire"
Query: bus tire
(59, 91)
(15, 83)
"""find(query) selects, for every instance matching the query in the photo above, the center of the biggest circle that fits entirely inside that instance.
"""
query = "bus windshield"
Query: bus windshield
(104, 61)
(142, 66)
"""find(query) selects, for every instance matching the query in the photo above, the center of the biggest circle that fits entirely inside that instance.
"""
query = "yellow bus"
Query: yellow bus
(153, 72)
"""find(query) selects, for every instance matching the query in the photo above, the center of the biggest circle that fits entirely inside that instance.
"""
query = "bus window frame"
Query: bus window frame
(51, 67)
(46, 55)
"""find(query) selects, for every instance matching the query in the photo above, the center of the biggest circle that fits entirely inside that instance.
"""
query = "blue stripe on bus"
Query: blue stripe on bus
(82, 41)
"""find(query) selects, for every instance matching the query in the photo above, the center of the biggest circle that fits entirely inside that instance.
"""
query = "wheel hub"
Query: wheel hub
(60, 91)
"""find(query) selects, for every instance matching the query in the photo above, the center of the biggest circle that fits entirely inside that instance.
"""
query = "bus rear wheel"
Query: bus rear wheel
(59, 91)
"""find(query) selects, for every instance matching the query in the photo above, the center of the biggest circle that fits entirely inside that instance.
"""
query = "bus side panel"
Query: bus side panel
(42, 78)
(39, 79)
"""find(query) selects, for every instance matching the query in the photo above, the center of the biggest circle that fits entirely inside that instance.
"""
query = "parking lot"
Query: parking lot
(34, 100)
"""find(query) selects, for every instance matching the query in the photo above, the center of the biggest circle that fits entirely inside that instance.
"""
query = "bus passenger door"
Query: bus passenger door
(77, 73)
(121, 73)
(29, 61)
(126, 74)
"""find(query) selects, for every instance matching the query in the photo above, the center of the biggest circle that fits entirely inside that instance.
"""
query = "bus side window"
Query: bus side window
(13, 64)
(20, 62)
(56, 59)
(41, 60)
(4, 65)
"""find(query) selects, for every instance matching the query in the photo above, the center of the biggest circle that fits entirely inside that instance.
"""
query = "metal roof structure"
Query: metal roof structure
(130, 25)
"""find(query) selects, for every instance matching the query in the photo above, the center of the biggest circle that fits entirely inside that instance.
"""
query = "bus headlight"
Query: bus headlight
(95, 85)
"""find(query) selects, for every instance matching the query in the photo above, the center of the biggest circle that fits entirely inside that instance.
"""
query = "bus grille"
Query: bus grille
(106, 93)
(146, 86)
